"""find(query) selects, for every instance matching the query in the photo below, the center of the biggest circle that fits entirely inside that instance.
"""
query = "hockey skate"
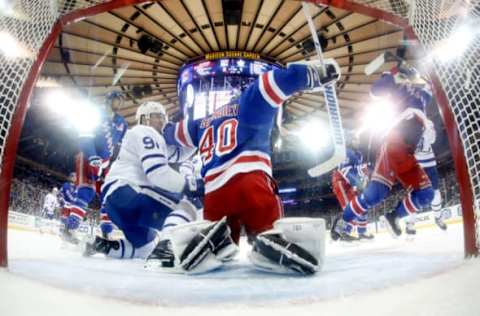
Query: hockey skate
(440, 223)
(99, 245)
(337, 227)
(69, 237)
(391, 222)
(162, 258)
(410, 229)
(366, 236)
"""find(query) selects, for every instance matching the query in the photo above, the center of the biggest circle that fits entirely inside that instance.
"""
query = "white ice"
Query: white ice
(426, 276)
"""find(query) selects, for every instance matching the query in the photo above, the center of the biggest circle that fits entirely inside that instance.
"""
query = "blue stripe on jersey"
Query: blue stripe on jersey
(154, 167)
(426, 160)
(176, 152)
(175, 197)
(179, 216)
(152, 156)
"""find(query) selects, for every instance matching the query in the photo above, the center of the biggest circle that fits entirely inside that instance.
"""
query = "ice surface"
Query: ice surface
(353, 274)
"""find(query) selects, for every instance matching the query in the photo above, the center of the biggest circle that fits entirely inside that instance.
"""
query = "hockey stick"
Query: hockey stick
(331, 102)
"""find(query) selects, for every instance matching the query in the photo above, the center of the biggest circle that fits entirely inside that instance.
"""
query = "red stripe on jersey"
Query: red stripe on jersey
(104, 217)
(77, 211)
(243, 159)
(409, 205)
(268, 88)
(357, 208)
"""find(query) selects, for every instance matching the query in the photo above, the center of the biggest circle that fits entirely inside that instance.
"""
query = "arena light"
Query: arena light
(10, 48)
(79, 112)
(315, 135)
(378, 116)
(287, 190)
(455, 45)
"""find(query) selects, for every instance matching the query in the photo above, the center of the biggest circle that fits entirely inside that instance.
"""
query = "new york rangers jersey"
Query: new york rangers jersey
(68, 194)
(352, 168)
(404, 96)
(106, 138)
(236, 137)
(409, 102)
(143, 162)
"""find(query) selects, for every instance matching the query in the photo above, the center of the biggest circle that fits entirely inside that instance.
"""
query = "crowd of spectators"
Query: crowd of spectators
(29, 188)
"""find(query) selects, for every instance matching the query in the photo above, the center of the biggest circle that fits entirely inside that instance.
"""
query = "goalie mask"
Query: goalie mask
(152, 114)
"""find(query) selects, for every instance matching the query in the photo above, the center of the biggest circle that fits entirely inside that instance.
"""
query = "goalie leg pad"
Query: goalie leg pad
(273, 246)
(195, 245)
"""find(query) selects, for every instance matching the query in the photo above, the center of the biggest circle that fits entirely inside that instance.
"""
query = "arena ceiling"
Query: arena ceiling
(101, 51)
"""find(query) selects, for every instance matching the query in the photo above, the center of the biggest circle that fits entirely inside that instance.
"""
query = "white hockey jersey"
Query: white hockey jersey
(143, 161)
(50, 203)
(424, 152)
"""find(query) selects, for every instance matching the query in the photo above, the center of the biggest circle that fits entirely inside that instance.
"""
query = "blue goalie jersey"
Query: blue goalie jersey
(236, 137)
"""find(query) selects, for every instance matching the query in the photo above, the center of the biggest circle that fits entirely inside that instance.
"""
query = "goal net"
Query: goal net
(29, 28)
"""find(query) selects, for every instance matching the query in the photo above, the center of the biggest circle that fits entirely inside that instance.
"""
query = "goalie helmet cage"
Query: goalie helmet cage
(37, 28)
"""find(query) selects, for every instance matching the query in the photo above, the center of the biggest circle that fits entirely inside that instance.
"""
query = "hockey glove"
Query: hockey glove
(194, 187)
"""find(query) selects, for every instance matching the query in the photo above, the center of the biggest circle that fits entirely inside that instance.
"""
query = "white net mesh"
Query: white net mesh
(26, 24)
(432, 21)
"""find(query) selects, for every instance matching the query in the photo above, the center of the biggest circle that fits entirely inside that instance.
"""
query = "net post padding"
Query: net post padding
(448, 117)
(8, 159)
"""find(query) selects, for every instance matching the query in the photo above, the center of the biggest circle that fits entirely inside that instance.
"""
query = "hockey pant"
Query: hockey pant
(395, 162)
(249, 200)
(139, 212)
(345, 192)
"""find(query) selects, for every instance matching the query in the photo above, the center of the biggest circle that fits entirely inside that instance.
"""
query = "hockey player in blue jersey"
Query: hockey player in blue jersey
(68, 194)
(98, 150)
(234, 145)
(395, 160)
(347, 182)
(143, 194)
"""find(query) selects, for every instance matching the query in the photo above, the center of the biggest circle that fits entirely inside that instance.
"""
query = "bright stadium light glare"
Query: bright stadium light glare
(10, 48)
(80, 113)
(455, 45)
(315, 135)
(86, 118)
(379, 116)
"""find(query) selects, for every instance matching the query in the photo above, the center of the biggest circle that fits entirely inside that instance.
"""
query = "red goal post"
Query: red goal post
(38, 29)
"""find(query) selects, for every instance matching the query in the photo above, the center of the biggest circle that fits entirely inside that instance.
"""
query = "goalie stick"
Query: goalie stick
(331, 102)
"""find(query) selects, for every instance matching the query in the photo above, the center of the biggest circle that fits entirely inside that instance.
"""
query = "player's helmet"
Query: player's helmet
(72, 177)
(110, 98)
(148, 108)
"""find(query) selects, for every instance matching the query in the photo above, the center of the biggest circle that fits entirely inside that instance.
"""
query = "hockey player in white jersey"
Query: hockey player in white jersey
(142, 193)
(426, 159)
(50, 204)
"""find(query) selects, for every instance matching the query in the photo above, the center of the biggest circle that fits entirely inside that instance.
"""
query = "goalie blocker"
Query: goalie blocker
(294, 245)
